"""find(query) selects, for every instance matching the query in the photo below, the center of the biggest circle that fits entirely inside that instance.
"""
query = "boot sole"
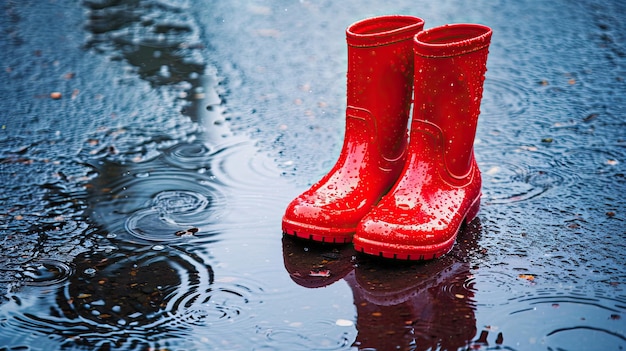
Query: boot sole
(412, 252)
(320, 234)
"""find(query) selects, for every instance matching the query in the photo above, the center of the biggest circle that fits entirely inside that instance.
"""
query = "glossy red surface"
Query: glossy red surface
(379, 87)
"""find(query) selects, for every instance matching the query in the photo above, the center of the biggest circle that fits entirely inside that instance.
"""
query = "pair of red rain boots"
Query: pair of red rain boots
(392, 194)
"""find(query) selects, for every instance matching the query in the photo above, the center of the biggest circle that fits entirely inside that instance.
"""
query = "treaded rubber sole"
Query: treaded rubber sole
(417, 253)
(324, 235)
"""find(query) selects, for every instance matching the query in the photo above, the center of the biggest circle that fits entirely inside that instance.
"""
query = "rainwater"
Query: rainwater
(148, 149)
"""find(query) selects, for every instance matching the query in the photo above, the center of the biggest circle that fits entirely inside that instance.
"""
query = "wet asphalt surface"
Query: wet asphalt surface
(148, 149)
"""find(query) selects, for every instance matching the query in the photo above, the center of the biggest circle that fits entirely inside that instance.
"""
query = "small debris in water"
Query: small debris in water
(529, 148)
(112, 150)
(590, 117)
(344, 323)
(493, 170)
(188, 232)
(547, 140)
(321, 273)
(499, 339)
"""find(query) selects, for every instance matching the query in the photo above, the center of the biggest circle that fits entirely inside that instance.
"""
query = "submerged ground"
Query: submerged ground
(148, 149)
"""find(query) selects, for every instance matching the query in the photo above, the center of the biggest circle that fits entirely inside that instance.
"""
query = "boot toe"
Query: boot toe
(408, 240)
(309, 220)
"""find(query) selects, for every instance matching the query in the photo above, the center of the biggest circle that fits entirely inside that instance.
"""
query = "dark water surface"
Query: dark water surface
(141, 210)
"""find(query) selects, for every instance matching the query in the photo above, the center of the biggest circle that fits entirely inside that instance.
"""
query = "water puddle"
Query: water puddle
(398, 305)
(137, 213)
(45, 273)
(570, 315)
(125, 299)
(155, 203)
(514, 182)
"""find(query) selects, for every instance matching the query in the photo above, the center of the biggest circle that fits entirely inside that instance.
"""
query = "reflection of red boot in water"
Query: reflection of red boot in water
(439, 188)
(379, 87)
(429, 311)
(426, 306)
(315, 265)
(422, 306)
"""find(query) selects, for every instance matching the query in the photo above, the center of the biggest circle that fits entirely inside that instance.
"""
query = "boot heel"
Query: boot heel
(473, 211)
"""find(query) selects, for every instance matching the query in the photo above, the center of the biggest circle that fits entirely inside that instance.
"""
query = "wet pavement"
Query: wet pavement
(148, 149)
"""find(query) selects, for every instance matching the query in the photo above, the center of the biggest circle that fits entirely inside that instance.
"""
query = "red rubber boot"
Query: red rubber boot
(380, 82)
(439, 188)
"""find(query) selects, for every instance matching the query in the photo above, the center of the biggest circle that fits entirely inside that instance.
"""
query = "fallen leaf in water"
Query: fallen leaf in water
(528, 277)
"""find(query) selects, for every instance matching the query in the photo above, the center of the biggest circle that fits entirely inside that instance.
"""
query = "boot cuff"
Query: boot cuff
(383, 30)
(452, 40)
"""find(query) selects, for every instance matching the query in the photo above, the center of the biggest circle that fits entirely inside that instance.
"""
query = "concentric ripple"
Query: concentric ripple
(592, 161)
(244, 166)
(192, 155)
(228, 300)
(172, 215)
(46, 272)
(156, 203)
(132, 301)
(503, 97)
(507, 182)
(564, 319)
(322, 335)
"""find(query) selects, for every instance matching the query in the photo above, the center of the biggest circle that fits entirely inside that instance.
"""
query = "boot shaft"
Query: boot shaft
(450, 65)
(380, 75)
